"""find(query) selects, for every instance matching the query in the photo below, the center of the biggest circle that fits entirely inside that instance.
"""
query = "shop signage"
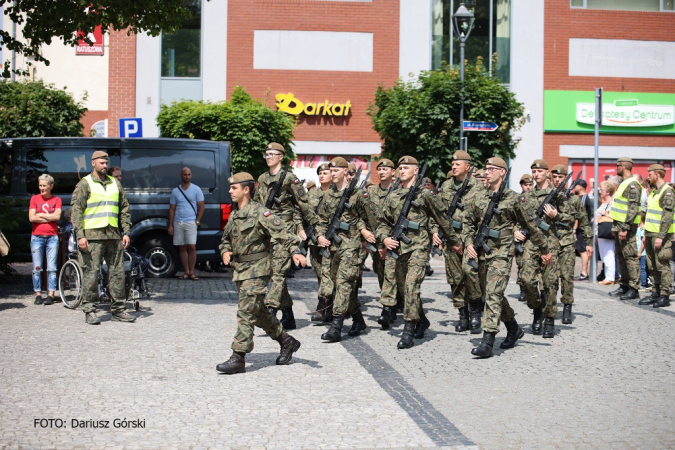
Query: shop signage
(288, 103)
(627, 113)
(96, 47)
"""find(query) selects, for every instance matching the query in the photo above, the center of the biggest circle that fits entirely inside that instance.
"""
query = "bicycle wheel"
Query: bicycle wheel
(70, 284)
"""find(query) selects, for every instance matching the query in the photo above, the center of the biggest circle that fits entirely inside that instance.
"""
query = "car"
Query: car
(150, 171)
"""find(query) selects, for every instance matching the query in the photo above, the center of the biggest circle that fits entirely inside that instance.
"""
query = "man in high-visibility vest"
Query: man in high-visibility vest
(99, 207)
(659, 228)
(625, 212)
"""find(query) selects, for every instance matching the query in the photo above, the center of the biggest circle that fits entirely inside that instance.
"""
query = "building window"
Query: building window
(625, 5)
(491, 34)
(181, 51)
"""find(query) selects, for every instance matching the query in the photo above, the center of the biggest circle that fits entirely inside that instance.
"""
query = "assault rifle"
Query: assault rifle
(273, 198)
(456, 204)
(569, 190)
(485, 232)
(402, 223)
(309, 232)
(336, 224)
(365, 180)
(540, 212)
(393, 187)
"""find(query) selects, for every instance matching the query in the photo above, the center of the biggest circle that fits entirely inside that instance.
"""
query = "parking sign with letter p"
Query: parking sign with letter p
(131, 127)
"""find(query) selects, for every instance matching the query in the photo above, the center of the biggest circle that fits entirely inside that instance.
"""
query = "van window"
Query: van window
(159, 169)
(6, 166)
(67, 167)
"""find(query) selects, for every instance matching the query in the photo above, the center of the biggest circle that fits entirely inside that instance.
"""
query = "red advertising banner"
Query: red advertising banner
(96, 37)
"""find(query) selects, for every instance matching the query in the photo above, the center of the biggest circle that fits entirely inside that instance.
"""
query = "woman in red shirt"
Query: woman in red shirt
(44, 211)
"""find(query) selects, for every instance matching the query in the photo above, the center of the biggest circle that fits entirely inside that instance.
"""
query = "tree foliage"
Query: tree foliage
(247, 123)
(33, 109)
(40, 22)
(421, 117)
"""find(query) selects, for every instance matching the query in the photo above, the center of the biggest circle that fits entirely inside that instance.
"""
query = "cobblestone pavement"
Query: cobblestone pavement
(605, 381)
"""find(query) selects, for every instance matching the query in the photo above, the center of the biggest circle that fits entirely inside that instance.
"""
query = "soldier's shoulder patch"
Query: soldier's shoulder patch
(522, 198)
(296, 181)
(365, 194)
(669, 193)
(632, 186)
(267, 213)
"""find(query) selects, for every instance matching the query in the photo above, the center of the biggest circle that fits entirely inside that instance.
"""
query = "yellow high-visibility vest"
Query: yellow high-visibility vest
(619, 209)
(655, 212)
(102, 205)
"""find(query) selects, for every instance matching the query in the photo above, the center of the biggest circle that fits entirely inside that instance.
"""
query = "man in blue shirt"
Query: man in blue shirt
(185, 213)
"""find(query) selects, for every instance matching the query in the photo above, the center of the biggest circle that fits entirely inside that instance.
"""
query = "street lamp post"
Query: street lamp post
(463, 23)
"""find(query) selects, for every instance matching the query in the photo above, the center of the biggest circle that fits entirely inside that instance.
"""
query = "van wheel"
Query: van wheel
(163, 257)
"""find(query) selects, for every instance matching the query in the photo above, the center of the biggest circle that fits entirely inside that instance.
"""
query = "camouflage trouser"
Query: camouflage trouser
(405, 276)
(278, 296)
(252, 312)
(317, 262)
(519, 264)
(462, 278)
(535, 270)
(90, 261)
(378, 267)
(497, 308)
(629, 261)
(343, 268)
(566, 261)
(658, 264)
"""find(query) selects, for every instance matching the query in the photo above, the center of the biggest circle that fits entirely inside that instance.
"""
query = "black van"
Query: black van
(150, 171)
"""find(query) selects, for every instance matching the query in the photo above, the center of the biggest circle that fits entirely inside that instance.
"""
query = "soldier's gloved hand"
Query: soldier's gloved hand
(83, 244)
(471, 252)
(227, 256)
(323, 242)
(368, 236)
(437, 241)
(550, 211)
(547, 258)
(518, 236)
(390, 243)
(299, 259)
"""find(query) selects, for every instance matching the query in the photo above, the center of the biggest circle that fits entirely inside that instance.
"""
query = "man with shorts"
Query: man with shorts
(185, 213)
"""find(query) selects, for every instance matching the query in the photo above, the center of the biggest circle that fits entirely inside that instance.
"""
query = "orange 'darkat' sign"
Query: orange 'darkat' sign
(291, 105)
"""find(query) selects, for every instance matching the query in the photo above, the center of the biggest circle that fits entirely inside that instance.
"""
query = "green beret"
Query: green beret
(560, 169)
(322, 167)
(407, 160)
(240, 177)
(539, 164)
(461, 155)
(339, 161)
(275, 146)
(496, 161)
(526, 179)
(98, 154)
(385, 163)
(655, 167)
(625, 159)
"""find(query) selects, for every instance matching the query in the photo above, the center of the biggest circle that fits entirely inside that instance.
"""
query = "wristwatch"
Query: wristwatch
(197, 222)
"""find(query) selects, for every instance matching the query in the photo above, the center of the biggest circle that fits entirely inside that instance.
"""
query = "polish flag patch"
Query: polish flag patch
(267, 213)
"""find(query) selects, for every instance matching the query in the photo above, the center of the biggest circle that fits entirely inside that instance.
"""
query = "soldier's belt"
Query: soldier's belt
(250, 257)
(456, 225)
(494, 234)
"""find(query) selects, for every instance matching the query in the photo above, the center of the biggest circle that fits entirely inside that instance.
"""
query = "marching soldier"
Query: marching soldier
(292, 198)
(406, 273)
(247, 244)
(526, 185)
(498, 261)
(566, 236)
(377, 194)
(466, 292)
(315, 198)
(659, 229)
(625, 212)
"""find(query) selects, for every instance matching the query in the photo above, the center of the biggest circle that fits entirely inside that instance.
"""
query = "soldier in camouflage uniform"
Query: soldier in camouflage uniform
(345, 259)
(377, 194)
(466, 291)
(247, 245)
(625, 212)
(659, 229)
(315, 198)
(498, 262)
(535, 272)
(292, 199)
(526, 185)
(406, 273)
(99, 207)
(567, 238)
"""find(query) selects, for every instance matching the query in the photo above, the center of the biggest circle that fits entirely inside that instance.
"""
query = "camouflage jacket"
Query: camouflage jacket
(512, 215)
(530, 203)
(666, 203)
(249, 231)
(633, 193)
(314, 199)
(79, 204)
(376, 195)
(578, 213)
(448, 190)
(360, 216)
(292, 196)
(429, 213)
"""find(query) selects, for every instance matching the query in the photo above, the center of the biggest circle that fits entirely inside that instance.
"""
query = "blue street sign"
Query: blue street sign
(131, 127)
(479, 126)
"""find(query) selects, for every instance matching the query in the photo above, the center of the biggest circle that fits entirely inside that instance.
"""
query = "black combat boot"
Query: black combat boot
(236, 364)
(513, 333)
(521, 296)
(291, 272)
(484, 349)
(474, 317)
(567, 314)
(289, 345)
(384, 318)
(653, 297)
(273, 311)
(334, 333)
(631, 294)
(400, 306)
(407, 340)
(428, 271)
(328, 317)
(422, 326)
(663, 301)
(619, 292)
(463, 324)
(288, 319)
(320, 313)
(537, 322)
(359, 324)
(549, 328)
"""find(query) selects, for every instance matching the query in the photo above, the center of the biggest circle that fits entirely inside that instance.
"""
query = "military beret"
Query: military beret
(369, 184)
(407, 160)
(311, 185)
(397, 173)
(480, 173)
(461, 155)
(275, 146)
(241, 177)
(539, 164)
(625, 159)
(98, 154)
(385, 163)
(526, 179)
(560, 169)
(351, 168)
(322, 167)
(339, 161)
(655, 167)
(497, 161)
(448, 175)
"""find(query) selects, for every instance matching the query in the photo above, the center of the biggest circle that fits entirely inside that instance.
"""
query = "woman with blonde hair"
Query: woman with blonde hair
(603, 231)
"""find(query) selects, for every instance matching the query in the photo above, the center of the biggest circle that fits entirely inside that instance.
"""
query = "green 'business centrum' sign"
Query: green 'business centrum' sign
(622, 112)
